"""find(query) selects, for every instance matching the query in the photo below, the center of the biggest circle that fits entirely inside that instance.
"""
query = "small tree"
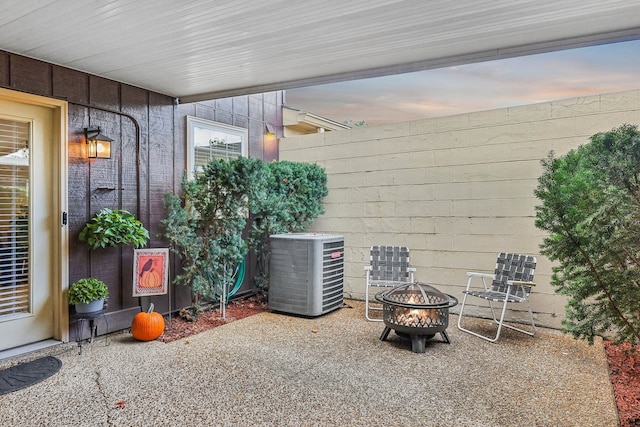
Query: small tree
(205, 226)
(591, 209)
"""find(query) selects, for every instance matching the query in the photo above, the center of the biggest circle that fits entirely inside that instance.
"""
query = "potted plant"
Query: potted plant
(88, 295)
(112, 227)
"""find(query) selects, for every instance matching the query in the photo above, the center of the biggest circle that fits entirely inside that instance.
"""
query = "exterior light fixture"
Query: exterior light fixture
(270, 131)
(270, 142)
(99, 144)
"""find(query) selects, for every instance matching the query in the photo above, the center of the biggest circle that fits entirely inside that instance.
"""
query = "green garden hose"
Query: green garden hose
(237, 278)
(239, 275)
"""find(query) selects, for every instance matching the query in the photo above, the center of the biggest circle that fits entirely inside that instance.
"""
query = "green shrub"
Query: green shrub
(293, 199)
(591, 209)
(205, 226)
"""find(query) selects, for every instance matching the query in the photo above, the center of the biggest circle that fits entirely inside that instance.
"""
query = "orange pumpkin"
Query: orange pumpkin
(147, 326)
(150, 279)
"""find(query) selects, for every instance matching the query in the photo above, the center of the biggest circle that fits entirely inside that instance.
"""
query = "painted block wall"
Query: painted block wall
(456, 190)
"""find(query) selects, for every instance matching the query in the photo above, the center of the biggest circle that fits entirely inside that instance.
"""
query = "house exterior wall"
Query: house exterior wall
(456, 190)
(113, 183)
(296, 122)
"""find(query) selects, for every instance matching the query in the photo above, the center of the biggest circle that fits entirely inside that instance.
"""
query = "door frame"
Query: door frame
(60, 255)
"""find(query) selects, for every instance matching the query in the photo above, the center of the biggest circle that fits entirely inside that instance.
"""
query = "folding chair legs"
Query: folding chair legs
(500, 322)
(368, 308)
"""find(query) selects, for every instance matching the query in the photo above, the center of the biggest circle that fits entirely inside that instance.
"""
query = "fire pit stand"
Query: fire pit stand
(416, 311)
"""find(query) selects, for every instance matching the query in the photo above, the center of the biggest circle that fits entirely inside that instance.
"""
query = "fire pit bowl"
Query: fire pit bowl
(416, 311)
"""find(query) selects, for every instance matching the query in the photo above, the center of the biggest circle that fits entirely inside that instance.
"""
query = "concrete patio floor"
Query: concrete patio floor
(278, 370)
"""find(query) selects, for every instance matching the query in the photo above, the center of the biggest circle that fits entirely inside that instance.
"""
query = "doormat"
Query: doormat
(27, 374)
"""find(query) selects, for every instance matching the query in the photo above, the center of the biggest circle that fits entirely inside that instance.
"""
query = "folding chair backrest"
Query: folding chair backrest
(514, 267)
(389, 263)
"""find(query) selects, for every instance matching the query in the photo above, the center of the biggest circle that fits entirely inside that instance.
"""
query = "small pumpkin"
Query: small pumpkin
(150, 279)
(147, 326)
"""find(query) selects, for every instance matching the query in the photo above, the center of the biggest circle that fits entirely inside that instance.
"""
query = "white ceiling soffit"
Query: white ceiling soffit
(205, 49)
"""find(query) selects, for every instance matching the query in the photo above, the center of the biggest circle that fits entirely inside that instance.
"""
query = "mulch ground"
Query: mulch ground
(624, 371)
(237, 310)
(624, 362)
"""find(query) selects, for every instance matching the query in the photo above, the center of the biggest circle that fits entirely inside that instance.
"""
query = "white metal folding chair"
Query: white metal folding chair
(510, 283)
(388, 266)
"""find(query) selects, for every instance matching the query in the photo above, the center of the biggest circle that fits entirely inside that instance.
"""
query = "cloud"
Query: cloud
(476, 87)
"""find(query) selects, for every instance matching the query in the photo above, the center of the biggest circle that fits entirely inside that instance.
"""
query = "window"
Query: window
(208, 140)
(14, 223)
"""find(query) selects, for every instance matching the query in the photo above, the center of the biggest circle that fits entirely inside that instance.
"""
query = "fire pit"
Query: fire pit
(416, 311)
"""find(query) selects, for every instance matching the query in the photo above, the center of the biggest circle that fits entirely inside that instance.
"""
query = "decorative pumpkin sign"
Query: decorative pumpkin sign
(147, 326)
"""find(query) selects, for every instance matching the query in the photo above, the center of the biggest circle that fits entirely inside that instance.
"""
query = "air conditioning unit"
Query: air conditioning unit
(307, 273)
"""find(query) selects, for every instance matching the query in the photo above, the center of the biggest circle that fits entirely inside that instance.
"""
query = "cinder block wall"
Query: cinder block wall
(456, 190)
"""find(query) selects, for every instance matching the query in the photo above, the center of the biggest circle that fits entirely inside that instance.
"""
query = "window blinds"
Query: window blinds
(14, 221)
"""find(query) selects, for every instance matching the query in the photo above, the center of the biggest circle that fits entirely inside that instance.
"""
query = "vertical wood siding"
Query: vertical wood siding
(98, 183)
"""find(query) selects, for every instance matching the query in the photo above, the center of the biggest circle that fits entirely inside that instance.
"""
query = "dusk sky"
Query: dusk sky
(476, 87)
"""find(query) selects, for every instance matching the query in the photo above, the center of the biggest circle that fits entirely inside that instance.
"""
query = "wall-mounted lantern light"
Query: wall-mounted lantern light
(99, 144)
(270, 131)
(270, 142)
